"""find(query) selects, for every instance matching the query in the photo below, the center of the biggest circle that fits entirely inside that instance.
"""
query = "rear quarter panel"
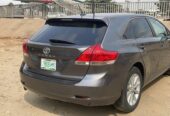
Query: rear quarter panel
(129, 53)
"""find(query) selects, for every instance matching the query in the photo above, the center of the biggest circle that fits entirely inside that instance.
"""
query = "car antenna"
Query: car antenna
(93, 9)
(82, 12)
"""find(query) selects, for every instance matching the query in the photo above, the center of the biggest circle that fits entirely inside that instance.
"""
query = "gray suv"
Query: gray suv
(96, 60)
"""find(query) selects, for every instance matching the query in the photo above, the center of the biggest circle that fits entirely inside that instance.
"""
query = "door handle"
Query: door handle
(163, 43)
(142, 47)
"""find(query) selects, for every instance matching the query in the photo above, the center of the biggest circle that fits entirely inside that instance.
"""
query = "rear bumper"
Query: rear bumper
(94, 93)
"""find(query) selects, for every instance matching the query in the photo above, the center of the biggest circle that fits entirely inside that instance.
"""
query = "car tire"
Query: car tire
(125, 102)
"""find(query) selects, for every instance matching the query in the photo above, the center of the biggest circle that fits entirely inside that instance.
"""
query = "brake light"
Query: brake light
(96, 55)
(25, 47)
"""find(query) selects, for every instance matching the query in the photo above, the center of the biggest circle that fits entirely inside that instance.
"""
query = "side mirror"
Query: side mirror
(163, 36)
(168, 37)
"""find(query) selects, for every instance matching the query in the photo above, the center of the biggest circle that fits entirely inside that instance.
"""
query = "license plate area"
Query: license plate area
(48, 64)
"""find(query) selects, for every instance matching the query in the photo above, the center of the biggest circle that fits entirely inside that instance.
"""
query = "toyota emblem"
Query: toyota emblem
(46, 51)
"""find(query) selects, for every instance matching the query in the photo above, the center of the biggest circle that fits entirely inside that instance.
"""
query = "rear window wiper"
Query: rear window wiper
(60, 41)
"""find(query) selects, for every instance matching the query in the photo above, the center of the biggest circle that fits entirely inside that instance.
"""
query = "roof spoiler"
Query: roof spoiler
(54, 20)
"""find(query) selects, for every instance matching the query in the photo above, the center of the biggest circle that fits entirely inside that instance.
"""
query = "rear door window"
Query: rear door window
(159, 29)
(138, 28)
(76, 32)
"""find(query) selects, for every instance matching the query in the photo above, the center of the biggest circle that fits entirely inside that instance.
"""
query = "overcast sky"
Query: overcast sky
(132, 0)
(6, 2)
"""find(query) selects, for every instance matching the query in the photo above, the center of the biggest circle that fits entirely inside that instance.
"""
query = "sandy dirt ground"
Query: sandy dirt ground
(14, 101)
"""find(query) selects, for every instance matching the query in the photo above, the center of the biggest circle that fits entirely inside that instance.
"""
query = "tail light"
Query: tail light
(95, 55)
(25, 47)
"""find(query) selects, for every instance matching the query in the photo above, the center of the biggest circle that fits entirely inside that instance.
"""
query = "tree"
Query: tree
(101, 7)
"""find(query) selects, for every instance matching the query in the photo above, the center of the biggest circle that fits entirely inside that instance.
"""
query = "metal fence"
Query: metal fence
(59, 9)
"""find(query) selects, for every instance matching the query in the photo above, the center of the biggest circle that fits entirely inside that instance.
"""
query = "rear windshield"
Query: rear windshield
(76, 32)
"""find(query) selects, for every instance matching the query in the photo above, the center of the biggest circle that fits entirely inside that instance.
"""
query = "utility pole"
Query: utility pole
(93, 8)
